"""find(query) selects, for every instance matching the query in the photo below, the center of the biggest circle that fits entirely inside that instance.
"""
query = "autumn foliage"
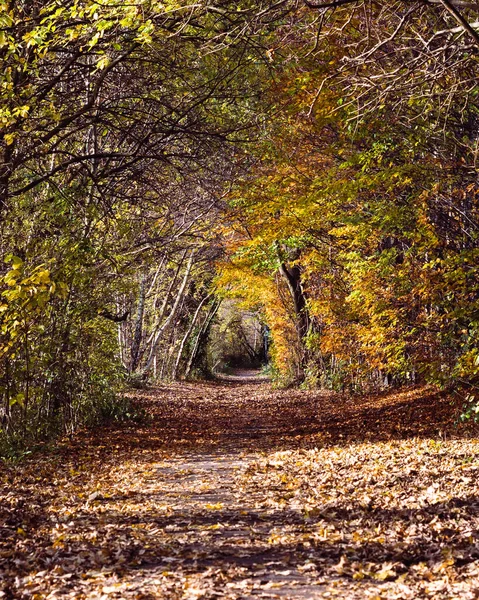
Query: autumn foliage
(378, 217)
(315, 163)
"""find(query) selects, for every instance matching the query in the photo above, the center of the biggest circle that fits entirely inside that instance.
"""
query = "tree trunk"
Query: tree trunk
(203, 332)
(187, 336)
(292, 275)
(135, 345)
(162, 328)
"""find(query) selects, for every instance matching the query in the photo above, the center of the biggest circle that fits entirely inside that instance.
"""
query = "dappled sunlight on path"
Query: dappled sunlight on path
(235, 490)
(243, 376)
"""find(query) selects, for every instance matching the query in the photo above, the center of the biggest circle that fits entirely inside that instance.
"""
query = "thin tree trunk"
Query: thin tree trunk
(161, 314)
(187, 335)
(162, 328)
(201, 335)
(135, 345)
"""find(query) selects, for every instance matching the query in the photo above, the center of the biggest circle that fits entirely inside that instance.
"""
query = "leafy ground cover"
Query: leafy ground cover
(235, 490)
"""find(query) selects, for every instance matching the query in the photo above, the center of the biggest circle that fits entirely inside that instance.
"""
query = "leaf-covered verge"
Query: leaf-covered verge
(239, 491)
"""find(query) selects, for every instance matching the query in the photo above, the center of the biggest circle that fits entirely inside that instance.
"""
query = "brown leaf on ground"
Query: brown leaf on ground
(235, 490)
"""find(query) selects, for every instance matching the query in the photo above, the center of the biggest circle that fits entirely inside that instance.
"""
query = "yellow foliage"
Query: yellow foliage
(261, 292)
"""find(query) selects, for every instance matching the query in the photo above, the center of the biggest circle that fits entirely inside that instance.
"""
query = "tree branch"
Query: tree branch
(451, 9)
(332, 4)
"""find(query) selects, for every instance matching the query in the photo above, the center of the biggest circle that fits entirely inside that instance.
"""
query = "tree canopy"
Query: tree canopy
(316, 161)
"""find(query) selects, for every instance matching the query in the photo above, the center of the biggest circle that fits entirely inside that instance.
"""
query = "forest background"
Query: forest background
(315, 161)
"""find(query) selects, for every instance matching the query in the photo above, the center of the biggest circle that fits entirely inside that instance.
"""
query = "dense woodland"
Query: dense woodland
(310, 165)
(239, 299)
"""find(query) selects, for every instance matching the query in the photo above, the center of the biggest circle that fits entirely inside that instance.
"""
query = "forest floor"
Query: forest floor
(235, 490)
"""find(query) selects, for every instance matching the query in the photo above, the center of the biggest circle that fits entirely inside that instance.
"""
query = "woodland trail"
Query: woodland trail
(234, 490)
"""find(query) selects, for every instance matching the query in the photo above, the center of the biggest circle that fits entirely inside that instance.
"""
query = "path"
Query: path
(234, 490)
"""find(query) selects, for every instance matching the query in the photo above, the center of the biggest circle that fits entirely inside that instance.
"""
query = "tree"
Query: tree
(373, 213)
(118, 122)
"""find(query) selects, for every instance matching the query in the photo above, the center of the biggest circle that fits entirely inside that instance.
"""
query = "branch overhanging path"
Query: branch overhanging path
(236, 490)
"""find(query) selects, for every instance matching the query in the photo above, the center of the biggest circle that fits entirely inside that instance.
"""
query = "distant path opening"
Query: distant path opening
(243, 376)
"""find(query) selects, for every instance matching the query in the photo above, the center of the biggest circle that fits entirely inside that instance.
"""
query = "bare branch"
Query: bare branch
(333, 4)
(461, 20)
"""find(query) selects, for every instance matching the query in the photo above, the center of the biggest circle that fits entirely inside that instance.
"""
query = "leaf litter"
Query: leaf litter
(236, 490)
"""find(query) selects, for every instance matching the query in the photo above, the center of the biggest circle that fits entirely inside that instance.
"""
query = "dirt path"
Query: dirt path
(234, 490)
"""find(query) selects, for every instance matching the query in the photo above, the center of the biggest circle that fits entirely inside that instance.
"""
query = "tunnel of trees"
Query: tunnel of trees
(238, 340)
(182, 184)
